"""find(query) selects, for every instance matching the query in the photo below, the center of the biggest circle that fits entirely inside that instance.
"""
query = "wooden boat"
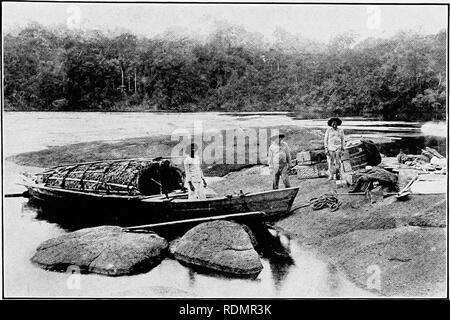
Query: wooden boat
(130, 206)
(273, 203)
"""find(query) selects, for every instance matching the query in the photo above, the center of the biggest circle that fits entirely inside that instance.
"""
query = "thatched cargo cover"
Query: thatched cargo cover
(133, 177)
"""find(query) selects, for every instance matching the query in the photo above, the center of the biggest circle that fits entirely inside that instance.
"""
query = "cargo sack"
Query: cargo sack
(373, 154)
(385, 178)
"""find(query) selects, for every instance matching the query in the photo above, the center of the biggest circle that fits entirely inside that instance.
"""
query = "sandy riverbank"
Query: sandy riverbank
(405, 242)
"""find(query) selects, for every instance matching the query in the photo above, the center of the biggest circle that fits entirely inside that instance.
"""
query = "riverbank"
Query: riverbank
(402, 242)
(162, 145)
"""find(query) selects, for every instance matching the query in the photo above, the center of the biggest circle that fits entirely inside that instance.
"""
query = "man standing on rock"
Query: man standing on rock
(334, 147)
(195, 181)
(279, 159)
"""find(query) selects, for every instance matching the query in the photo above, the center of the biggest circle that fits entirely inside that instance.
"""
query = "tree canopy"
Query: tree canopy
(403, 77)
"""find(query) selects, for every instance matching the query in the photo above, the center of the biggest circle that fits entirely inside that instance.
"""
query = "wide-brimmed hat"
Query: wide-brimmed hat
(339, 121)
(278, 136)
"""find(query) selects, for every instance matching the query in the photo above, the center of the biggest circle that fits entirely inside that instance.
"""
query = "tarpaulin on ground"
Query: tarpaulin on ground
(385, 179)
(430, 184)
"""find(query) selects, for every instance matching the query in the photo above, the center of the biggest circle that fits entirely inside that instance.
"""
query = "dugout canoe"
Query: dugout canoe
(159, 208)
(122, 191)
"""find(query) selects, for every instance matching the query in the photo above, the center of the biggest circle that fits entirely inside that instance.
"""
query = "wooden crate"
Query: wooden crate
(311, 157)
(354, 158)
(312, 171)
(304, 157)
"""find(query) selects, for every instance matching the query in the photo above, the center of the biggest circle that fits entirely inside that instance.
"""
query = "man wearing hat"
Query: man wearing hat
(334, 146)
(279, 159)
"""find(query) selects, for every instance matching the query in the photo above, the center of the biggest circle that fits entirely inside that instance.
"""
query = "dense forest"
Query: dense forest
(56, 69)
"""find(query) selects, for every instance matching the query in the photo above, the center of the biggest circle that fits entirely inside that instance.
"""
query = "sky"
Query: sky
(316, 22)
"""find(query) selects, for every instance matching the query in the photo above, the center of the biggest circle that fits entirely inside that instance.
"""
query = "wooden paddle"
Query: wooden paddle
(17, 195)
(406, 190)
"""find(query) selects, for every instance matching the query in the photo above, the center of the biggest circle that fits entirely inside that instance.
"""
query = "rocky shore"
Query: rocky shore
(390, 247)
(404, 240)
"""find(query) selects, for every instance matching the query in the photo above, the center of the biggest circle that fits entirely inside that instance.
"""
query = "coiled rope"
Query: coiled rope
(326, 200)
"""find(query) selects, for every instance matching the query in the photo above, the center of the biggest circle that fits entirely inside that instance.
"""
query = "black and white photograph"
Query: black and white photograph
(241, 150)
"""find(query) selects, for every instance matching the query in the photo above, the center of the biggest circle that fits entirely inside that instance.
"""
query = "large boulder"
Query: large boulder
(105, 250)
(221, 246)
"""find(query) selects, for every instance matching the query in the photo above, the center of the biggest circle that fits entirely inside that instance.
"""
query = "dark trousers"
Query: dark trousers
(283, 175)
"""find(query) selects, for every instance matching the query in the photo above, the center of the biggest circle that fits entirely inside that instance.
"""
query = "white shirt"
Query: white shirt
(334, 139)
(192, 169)
(279, 155)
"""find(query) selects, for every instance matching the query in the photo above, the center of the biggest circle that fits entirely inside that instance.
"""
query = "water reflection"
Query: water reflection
(273, 245)
(280, 267)
(289, 270)
(65, 218)
(191, 275)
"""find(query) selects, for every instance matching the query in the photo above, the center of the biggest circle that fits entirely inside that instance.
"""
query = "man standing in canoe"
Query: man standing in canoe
(334, 147)
(279, 159)
(195, 181)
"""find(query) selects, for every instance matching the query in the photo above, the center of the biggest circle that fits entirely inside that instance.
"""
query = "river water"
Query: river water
(304, 274)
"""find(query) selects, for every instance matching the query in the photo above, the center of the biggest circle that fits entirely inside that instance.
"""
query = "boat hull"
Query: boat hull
(128, 210)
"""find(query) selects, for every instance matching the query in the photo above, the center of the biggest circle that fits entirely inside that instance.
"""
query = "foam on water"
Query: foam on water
(438, 129)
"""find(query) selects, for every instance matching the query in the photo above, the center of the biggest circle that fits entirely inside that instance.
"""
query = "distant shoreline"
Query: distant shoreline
(287, 113)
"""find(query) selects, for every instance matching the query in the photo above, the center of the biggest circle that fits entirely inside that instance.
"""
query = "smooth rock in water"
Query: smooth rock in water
(105, 250)
(221, 246)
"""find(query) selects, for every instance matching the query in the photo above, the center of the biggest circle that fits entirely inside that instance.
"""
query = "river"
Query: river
(303, 275)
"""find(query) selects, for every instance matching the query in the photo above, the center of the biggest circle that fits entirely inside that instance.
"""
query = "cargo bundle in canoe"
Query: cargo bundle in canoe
(129, 177)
